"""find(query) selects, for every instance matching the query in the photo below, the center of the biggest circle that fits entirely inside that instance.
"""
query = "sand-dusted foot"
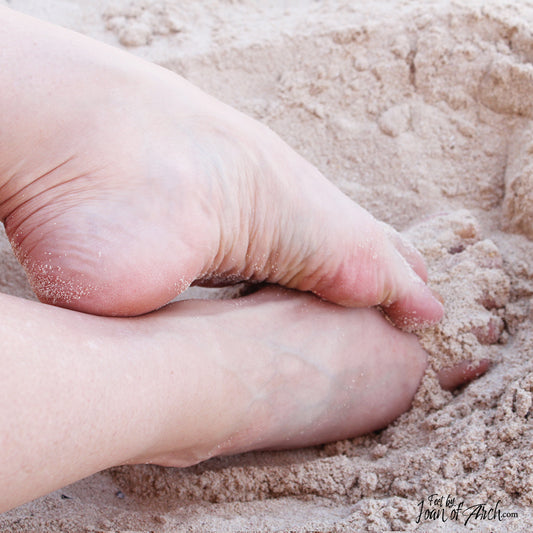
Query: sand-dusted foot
(467, 271)
(276, 369)
(282, 369)
(128, 184)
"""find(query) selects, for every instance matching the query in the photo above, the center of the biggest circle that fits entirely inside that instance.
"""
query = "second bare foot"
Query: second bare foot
(130, 184)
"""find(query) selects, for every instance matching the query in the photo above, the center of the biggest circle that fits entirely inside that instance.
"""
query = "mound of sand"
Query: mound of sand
(422, 112)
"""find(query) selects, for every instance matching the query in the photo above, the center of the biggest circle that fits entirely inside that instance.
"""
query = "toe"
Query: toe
(414, 305)
(384, 279)
(371, 264)
(461, 374)
(407, 250)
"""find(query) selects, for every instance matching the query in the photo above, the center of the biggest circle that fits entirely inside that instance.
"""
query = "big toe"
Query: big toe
(367, 263)
(333, 247)
(462, 373)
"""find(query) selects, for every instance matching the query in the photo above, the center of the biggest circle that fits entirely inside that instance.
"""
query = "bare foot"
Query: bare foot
(196, 379)
(281, 369)
(123, 184)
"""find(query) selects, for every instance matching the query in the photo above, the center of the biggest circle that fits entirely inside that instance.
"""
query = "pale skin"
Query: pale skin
(120, 185)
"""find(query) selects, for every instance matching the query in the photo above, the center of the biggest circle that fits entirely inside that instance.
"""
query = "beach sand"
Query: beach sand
(421, 111)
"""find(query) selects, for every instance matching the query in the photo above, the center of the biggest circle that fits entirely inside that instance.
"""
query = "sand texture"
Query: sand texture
(422, 111)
